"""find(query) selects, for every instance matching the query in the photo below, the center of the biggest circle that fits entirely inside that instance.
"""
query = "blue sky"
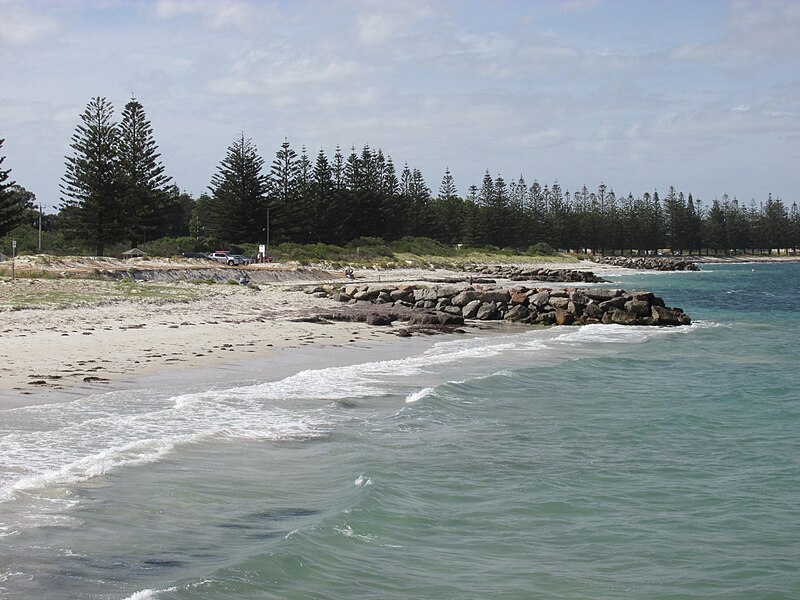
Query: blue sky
(638, 94)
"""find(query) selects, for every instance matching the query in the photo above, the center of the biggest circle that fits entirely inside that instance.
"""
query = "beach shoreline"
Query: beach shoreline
(102, 341)
(106, 340)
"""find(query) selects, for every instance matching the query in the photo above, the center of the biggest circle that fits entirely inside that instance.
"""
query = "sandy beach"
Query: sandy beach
(71, 335)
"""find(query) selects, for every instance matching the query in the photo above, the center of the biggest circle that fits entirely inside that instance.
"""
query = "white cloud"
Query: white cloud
(21, 25)
(385, 21)
(215, 14)
(757, 33)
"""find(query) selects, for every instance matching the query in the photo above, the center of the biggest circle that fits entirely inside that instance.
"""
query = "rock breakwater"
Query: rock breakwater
(660, 263)
(522, 273)
(453, 304)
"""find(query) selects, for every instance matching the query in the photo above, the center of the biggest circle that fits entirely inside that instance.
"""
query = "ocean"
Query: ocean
(595, 462)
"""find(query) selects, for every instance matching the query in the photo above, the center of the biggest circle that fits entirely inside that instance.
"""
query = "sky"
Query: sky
(637, 94)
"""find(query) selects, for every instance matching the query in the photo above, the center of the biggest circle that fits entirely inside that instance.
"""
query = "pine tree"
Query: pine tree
(324, 212)
(91, 203)
(715, 235)
(448, 211)
(303, 216)
(447, 189)
(419, 196)
(283, 193)
(12, 211)
(145, 185)
(238, 193)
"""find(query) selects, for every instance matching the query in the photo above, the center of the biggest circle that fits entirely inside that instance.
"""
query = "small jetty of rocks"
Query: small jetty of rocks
(521, 273)
(648, 263)
(452, 304)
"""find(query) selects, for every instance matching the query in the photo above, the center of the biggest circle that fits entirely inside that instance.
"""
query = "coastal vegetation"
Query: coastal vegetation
(356, 205)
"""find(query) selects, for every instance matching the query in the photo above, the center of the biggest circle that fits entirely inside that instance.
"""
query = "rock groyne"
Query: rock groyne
(522, 273)
(649, 263)
(452, 305)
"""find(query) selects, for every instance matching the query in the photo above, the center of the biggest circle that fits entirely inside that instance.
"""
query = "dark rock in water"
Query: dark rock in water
(623, 317)
(517, 313)
(547, 318)
(486, 311)
(471, 309)
(665, 316)
(639, 308)
(564, 317)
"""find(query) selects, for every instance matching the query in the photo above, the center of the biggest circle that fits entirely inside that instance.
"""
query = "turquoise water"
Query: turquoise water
(595, 462)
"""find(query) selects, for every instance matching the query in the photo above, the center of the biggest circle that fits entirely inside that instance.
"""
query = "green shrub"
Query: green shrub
(541, 249)
(422, 246)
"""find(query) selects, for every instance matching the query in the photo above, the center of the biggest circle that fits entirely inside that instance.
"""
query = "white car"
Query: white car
(226, 258)
(243, 260)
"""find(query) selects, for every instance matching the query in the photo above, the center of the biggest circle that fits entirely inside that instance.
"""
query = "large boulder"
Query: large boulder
(575, 308)
(428, 319)
(667, 316)
(470, 310)
(518, 296)
(449, 290)
(425, 294)
(404, 295)
(465, 297)
(593, 311)
(547, 318)
(623, 317)
(600, 294)
(487, 311)
(610, 305)
(564, 317)
(640, 308)
(539, 299)
(365, 295)
(518, 312)
(496, 296)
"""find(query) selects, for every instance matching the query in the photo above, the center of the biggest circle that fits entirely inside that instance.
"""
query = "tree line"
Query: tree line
(115, 188)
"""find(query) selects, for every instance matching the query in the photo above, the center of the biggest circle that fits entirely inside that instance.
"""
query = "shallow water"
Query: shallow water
(602, 461)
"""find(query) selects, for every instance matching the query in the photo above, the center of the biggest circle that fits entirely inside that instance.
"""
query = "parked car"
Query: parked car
(243, 260)
(225, 258)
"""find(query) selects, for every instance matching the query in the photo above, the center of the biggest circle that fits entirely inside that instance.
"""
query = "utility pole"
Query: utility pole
(267, 228)
(40, 228)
